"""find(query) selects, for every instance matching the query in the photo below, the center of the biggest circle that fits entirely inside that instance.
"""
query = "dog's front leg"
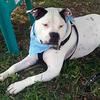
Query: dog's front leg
(52, 71)
(26, 62)
(20, 85)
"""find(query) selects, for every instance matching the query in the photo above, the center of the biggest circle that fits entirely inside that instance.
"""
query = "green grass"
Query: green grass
(67, 86)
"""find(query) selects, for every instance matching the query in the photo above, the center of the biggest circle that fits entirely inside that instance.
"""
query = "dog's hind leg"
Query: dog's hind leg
(26, 62)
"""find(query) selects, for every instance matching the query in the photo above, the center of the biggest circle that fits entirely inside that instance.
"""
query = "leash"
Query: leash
(90, 81)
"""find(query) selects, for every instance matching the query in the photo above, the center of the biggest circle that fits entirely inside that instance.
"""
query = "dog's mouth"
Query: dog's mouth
(54, 44)
(53, 40)
(49, 42)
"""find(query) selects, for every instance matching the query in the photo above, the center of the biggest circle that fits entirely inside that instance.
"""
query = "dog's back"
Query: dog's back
(89, 34)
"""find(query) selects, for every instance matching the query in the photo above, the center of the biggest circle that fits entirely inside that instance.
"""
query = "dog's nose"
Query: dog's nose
(54, 35)
(54, 38)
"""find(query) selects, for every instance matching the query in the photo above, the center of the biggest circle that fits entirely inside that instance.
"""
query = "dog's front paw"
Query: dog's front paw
(3, 76)
(16, 87)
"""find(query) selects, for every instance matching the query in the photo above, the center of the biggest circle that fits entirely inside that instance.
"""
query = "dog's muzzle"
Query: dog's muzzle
(53, 41)
(54, 38)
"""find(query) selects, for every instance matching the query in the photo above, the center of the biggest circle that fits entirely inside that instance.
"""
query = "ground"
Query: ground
(68, 85)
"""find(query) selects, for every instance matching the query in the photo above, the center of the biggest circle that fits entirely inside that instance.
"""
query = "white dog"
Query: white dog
(51, 28)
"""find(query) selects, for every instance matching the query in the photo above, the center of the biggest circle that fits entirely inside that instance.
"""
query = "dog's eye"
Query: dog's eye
(46, 25)
(60, 26)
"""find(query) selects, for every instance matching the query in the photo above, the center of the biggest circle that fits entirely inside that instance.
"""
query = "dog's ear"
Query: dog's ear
(65, 12)
(38, 12)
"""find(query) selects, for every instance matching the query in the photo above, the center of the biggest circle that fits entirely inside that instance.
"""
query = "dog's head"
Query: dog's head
(50, 25)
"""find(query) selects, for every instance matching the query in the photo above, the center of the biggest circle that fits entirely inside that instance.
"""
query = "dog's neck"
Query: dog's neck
(68, 31)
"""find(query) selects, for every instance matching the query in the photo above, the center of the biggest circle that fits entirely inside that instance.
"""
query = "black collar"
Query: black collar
(66, 40)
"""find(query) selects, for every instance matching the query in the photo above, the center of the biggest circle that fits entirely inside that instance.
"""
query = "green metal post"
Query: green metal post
(29, 7)
(7, 29)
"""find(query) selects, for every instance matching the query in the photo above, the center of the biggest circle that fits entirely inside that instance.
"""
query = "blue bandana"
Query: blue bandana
(35, 44)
